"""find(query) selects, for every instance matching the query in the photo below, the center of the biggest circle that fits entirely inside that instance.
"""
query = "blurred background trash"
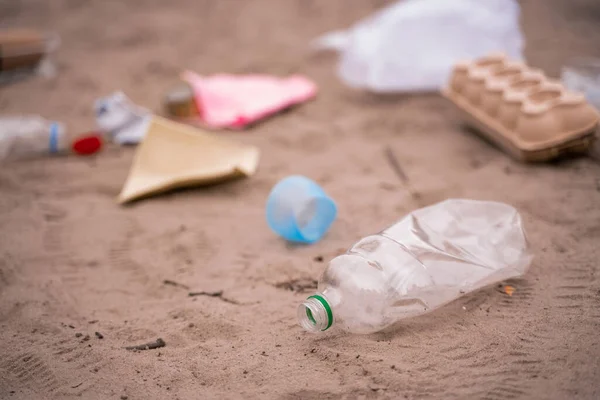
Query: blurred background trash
(180, 102)
(174, 155)
(87, 143)
(583, 75)
(517, 107)
(235, 101)
(299, 210)
(125, 122)
(29, 136)
(26, 52)
(412, 45)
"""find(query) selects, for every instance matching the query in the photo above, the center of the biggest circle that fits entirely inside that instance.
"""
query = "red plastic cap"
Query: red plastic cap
(87, 144)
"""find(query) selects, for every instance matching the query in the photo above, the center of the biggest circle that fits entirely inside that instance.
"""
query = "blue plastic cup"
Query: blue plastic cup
(299, 210)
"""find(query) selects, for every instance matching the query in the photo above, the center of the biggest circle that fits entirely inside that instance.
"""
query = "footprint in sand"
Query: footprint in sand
(31, 371)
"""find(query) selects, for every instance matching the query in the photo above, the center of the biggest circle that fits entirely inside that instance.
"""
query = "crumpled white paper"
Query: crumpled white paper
(412, 45)
(123, 120)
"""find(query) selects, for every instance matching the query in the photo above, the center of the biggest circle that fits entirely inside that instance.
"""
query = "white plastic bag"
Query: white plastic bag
(412, 45)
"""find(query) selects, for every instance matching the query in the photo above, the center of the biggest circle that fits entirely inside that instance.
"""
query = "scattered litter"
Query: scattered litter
(99, 335)
(298, 285)
(456, 247)
(235, 101)
(26, 52)
(158, 343)
(509, 290)
(76, 386)
(125, 122)
(30, 136)
(412, 45)
(175, 155)
(299, 210)
(517, 107)
(583, 75)
(176, 284)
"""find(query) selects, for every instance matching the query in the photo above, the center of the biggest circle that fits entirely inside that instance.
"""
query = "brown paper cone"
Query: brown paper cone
(174, 155)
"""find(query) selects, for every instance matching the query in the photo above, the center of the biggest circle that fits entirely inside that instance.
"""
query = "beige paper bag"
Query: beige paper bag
(173, 155)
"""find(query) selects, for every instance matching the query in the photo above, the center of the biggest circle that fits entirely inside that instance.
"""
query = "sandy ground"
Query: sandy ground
(73, 262)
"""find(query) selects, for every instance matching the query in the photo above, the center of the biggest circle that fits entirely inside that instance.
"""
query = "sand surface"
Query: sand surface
(73, 262)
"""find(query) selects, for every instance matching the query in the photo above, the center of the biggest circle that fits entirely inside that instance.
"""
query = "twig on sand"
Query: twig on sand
(395, 164)
(218, 293)
(148, 346)
(176, 284)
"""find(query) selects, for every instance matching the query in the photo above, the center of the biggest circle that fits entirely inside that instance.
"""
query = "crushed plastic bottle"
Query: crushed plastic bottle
(429, 258)
(30, 136)
(412, 45)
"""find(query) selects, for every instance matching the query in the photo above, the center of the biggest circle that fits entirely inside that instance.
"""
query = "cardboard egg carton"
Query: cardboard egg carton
(532, 117)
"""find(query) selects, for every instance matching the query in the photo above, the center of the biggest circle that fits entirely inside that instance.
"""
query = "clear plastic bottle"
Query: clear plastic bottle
(427, 259)
(29, 136)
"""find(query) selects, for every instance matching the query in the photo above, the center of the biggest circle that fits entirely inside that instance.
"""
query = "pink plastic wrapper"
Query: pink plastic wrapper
(234, 101)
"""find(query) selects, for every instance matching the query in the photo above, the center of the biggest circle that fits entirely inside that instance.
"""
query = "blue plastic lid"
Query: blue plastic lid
(299, 210)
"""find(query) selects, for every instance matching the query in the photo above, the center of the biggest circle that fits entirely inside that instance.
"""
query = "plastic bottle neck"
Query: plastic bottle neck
(315, 314)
